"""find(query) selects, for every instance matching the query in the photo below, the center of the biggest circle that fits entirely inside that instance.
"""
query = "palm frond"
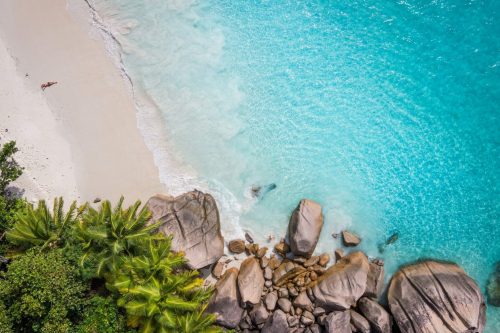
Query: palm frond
(38, 227)
(107, 229)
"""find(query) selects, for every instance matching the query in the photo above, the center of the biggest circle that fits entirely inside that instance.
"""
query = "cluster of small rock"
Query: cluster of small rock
(291, 290)
(294, 291)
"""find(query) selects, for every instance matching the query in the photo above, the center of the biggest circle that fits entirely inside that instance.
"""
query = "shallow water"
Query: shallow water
(385, 113)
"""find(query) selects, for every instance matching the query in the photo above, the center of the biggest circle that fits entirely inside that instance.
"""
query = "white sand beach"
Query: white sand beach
(79, 137)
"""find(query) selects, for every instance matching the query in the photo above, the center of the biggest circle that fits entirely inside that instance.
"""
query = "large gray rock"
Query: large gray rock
(304, 228)
(250, 281)
(342, 284)
(379, 319)
(225, 302)
(375, 280)
(338, 322)
(193, 221)
(276, 323)
(359, 322)
(434, 297)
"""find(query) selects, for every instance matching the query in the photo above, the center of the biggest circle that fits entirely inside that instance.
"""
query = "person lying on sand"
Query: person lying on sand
(48, 84)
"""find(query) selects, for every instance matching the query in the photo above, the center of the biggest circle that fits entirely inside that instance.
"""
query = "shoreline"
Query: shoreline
(91, 106)
(178, 176)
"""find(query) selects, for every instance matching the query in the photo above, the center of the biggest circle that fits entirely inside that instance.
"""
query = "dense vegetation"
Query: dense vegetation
(91, 270)
(9, 171)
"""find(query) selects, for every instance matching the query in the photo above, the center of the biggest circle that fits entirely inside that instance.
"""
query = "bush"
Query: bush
(9, 171)
(110, 252)
(42, 292)
(8, 208)
(159, 294)
(5, 324)
(101, 315)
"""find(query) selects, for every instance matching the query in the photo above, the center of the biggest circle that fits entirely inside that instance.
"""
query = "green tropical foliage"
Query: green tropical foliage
(155, 261)
(38, 227)
(198, 322)
(113, 234)
(5, 322)
(42, 292)
(9, 171)
(9, 168)
(8, 209)
(101, 315)
(92, 270)
(159, 295)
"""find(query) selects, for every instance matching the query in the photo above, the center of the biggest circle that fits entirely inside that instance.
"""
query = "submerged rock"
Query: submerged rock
(435, 297)
(493, 288)
(342, 284)
(391, 240)
(259, 191)
(225, 301)
(249, 238)
(193, 221)
(304, 228)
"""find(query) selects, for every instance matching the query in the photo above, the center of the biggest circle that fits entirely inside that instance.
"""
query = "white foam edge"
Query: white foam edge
(177, 176)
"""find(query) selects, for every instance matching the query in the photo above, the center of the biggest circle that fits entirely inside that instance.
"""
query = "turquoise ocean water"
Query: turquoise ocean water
(385, 112)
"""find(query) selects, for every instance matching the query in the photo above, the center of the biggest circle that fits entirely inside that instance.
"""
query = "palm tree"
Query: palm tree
(198, 322)
(159, 295)
(112, 234)
(155, 260)
(38, 227)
